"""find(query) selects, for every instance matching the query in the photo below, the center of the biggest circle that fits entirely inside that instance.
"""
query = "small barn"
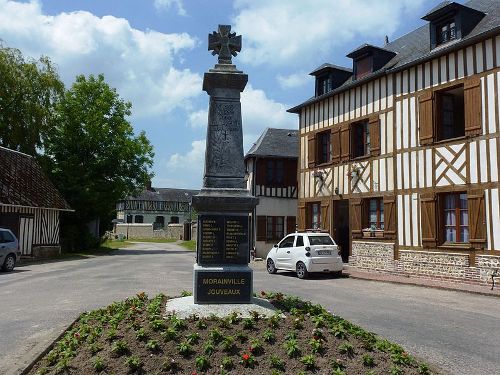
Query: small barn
(30, 205)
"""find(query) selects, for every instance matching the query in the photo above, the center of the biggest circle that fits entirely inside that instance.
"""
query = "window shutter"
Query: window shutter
(336, 144)
(261, 172)
(302, 217)
(477, 219)
(428, 220)
(374, 129)
(290, 224)
(325, 215)
(426, 117)
(390, 217)
(261, 228)
(311, 150)
(472, 104)
(345, 140)
(356, 217)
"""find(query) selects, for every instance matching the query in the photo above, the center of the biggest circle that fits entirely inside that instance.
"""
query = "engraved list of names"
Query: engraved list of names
(223, 239)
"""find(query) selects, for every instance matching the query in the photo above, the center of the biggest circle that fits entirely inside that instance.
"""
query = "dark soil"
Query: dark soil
(133, 337)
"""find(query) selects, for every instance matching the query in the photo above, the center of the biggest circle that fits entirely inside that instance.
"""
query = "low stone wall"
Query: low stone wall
(135, 230)
(377, 256)
(449, 266)
(46, 251)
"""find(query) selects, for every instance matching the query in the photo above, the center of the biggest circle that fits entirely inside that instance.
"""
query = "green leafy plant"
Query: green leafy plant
(248, 323)
(184, 348)
(209, 348)
(395, 370)
(152, 345)
(170, 364)
(247, 360)
(297, 323)
(228, 343)
(423, 369)
(98, 364)
(338, 332)
(62, 365)
(269, 336)
(141, 334)
(256, 346)
(274, 321)
(368, 360)
(227, 363)
(234, 318)
(177, 324)
(308, 361)
(169, 334)
(316, 345)
(186, 293)
(202, 363)
(318, 321)
(241, 337)
(157, 324)
(133, 362)
(254, 315)
(215, 335)
(201, 324)
(193, 338)
(111, 334)
(119, 347)
(383, 345)
(277, 363)
(402, 358)
(346, 348)
(338, 372)
(337, 364)
(95, 347)
(292, 348)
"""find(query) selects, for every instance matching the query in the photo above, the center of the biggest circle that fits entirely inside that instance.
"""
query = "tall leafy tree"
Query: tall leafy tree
(29, 91)
(94, 155)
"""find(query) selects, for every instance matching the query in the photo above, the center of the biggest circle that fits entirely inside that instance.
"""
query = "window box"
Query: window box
(369, 233)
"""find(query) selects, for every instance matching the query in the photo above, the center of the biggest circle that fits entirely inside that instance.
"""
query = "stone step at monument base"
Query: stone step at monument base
(222, 284)
(184, 307)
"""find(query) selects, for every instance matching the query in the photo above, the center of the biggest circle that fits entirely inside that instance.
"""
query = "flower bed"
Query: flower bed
(133, 337)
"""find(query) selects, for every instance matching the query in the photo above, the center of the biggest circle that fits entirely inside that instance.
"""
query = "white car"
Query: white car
(305, 252)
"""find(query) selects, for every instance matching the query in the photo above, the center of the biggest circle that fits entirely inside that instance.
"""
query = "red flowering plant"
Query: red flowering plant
(247, 360)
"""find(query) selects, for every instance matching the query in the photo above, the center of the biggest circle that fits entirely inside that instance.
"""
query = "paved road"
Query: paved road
(457, 331)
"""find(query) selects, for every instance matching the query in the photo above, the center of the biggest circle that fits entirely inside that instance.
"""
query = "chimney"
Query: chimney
(148, 185)
(386, 41)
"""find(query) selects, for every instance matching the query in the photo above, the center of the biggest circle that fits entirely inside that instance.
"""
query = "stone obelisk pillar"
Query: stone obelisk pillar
(221, 272)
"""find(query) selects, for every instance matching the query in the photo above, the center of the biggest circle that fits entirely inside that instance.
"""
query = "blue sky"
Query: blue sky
(154, 52)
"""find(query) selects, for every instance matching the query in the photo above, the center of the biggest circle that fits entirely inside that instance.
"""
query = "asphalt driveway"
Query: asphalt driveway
(457, 331)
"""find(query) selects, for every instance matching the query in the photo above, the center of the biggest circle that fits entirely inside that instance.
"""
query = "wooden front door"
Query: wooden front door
(341, 231)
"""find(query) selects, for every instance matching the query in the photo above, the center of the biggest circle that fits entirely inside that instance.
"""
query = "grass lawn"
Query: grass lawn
(155, 240)
(134, 336)
(190, 245)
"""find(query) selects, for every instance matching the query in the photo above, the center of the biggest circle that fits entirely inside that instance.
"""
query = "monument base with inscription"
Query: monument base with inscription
(225, 284)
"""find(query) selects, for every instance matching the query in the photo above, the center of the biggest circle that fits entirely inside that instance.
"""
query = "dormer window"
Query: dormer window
(363, 66)
(324, 85)
(329, 77)
(368, 59)
(446, 32)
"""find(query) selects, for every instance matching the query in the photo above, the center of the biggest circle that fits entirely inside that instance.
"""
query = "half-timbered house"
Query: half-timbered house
(271, 164)
(30, 205)
(399, 156)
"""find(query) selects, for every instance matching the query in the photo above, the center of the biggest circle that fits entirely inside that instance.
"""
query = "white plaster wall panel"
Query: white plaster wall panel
(483, 161)
(383, 97)
(420, 78)
(352, 98)
(330, 111)
(307, 192)
(335, 109)
(473, 162)
(398, 125)
(345, 179)
(413, 122)
(479, 58)
(495, 215)
(442, 63)
(406, 171)
(451, 70)
(412, 79)
(498, 98)
(435, 72)
(414, 172)
(460, 58)
(469, 61)
(276, 207)
(383, 133)
(421, 171)
(399, 174)
(376, 99)
(401, 229)
(383, 175)
(362, 100)
(489, 53)
(312, 190)
(404, 123)
(370, 97)
(390, 94)
(397, 77)
(493, 160)
(375, 175)
(405, 82)
(492, 125)
(414, 211)
(390, 127)
(497, 49)
(487, 198)
(407, 219)
(427, 75)
(483, 106)
(268, 191)
(390, 174)
(428, 166)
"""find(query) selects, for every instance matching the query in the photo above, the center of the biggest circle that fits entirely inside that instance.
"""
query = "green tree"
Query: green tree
(29, 91)
(94, 156)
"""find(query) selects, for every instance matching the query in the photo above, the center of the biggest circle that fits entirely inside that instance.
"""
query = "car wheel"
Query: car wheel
(271, 268)
(337, 274)
(9, 263)
(301, 270)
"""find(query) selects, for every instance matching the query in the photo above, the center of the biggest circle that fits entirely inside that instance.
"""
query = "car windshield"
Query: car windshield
(320, 240)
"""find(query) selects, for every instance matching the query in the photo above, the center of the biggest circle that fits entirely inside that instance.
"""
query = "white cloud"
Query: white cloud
(198, 119)
(167, 4)
(293, 80)
(140, 64)
(286, 32)
(188, 168)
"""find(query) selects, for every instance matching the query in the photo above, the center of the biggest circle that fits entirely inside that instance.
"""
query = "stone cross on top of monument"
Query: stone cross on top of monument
(224, 43)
